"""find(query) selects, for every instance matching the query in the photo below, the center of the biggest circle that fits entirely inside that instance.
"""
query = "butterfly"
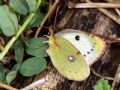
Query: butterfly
(72, 52)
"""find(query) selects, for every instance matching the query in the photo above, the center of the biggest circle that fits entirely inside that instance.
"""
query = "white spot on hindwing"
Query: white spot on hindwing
(71, 58)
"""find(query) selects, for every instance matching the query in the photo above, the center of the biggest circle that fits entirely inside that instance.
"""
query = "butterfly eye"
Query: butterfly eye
(71, 58)
(77, 37)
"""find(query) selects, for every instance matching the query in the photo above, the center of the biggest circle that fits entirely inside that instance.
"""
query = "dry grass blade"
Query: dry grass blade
(115, 1)
(110, 15)
(116, 76)
(93, 5)
(105, 77)
(35, 84)
(107, 13)
(112, 39)
(7, 87)
(117, 11)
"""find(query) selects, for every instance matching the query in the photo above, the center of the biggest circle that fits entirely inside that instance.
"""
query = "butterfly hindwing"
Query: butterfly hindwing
(68, 60)
(90, 46)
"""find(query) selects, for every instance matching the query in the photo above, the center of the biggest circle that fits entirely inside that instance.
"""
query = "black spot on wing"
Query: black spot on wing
(84, 55)
(93, 46)
(88, 52)
(77, 37)
(77, 53)
(92, 49)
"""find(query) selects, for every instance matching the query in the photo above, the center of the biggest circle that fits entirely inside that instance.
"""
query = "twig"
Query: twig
(110, 15)
(112, 39)
(117, 11)
(108, 38)
(7, 87)
(93, 5)
(56, 17)
(105, 77)
(115, 1)
(116, 76)
(107, 13)
(46, 17)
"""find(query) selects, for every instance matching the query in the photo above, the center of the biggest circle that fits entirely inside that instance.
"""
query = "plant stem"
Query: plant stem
(10, 43)
(22, 28)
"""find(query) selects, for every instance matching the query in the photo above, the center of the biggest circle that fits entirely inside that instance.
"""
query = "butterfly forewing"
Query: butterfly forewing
(99, 45)
(68, 60)
(90, 46)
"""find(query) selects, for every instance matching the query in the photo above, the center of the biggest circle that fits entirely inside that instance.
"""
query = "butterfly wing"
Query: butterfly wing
(99, 47)
(67, 60)
(90, 46)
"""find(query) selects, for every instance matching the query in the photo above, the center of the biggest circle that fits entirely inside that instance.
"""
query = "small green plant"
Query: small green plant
(17, 16)
(102, 85)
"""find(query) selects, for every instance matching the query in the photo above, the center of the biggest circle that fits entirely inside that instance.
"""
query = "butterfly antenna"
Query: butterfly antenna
(56, 14)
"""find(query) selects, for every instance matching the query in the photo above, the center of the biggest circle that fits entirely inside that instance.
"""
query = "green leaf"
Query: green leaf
(8, 21)
(16, 67)
(102, 85)
(19, 6)
(32, 66)
(36, 47)
(2, 73)
(37, 19)
(10, 76)
(32, 5)
(19, 50)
